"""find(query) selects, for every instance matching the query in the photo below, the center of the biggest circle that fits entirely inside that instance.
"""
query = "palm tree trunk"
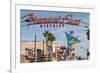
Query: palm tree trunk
(51, 52)
(46, 50)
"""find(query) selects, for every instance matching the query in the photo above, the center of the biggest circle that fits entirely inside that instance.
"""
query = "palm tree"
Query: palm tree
(46, 34)
(49, 37)
(88, 34)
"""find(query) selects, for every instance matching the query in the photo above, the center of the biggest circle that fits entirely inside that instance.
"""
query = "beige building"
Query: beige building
(31, 45)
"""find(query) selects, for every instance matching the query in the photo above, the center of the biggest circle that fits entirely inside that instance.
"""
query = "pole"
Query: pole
(56, 53)
(43, 50)
(35, 49)
(88, 54)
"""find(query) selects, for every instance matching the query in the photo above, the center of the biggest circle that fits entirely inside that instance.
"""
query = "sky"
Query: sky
(28, 33)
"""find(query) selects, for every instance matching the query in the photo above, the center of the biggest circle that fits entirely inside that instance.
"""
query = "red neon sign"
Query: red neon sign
(47, 21)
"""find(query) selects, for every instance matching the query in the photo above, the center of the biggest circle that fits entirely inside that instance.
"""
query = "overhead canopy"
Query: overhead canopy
(71, 39)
